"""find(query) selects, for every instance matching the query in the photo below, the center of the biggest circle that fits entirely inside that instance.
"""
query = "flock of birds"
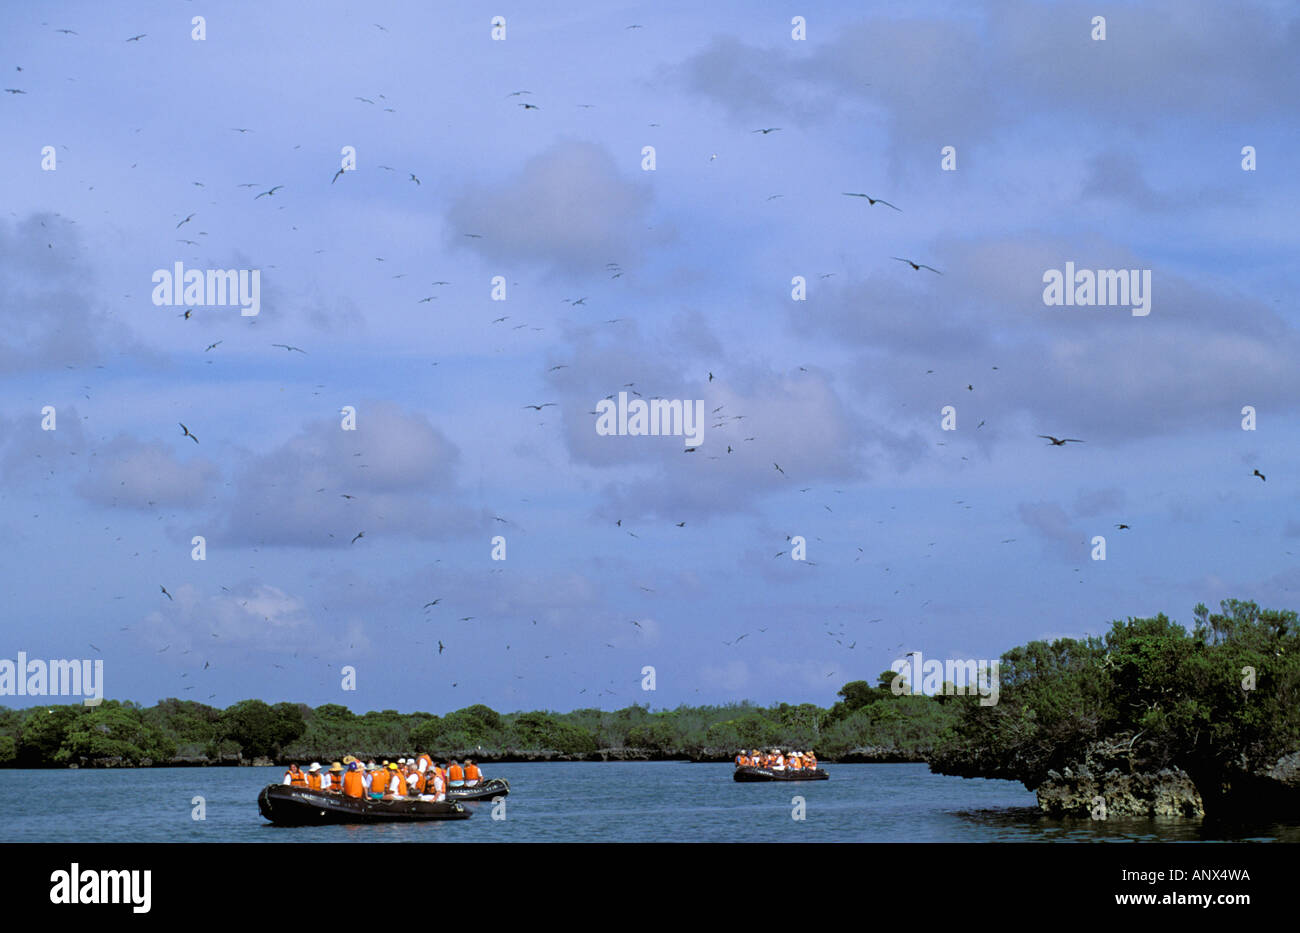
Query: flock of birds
(613, 271)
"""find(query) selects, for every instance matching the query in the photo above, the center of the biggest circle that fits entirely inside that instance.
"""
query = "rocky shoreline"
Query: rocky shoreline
(1167, 792)
(1109, 772)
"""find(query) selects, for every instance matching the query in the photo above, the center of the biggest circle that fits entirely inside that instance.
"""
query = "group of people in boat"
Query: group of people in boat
(419, 778)
(776, 760)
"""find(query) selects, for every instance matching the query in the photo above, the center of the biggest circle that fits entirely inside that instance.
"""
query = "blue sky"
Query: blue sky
(1123, 153)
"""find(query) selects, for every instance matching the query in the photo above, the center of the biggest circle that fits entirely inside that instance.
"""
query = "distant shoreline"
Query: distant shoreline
(856, 756)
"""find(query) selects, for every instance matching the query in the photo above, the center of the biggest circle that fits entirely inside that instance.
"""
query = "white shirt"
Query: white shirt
(438, 787)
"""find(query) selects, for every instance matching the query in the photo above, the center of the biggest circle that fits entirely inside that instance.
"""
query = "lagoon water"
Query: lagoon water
(581, 802)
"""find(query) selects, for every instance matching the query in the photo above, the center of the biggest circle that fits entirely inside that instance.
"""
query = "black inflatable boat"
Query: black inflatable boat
(749, 775)
(496, 787)
(287, 805)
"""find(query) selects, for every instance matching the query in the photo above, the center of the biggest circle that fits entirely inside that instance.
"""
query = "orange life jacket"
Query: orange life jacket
(296, 778)
(378, 781)
(455, 773)
(428, 762)
(812, 763)
(313, 780)
(472, 773)
(352, 784)
(794, 764)
(336, 780)
(397, 785)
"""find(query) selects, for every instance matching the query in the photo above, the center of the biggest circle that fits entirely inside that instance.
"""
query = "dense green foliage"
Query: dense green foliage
(1171, 697)
(864, 716)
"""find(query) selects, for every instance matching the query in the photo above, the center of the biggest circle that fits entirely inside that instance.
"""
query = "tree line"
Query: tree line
(184, 731)
(1220, 701)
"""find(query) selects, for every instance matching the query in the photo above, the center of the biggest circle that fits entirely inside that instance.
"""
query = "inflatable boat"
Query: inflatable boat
(750, 775)
(286, 805)
(485, 790)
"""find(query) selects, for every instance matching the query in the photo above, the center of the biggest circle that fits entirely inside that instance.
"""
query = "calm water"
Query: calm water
(580, 802)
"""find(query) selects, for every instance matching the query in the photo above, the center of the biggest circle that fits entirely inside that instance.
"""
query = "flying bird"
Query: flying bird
(360, 534)
(185, 221)
(165, 593)
(1121, 526)
(870, 200)
(778, 468)
(434, 603)
(413, 178)
(917, 266)
(770, 129)
(540, 407)
(336, 175)
(213, 346)
(1260, 475)
(1060, 441)
(137, 38)
(441, 647)
(266, 193)
(186, 433)
(287, 347)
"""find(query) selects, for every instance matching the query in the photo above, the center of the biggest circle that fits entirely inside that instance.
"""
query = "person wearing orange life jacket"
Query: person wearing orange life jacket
(741, 760)
(354, 784)
(424, 762)
(455, 775)
(435, 785)
(334, 784)
(794, 762)
(396, 787)
(314, 776)
(375, 781)
(414, 779)
(811, 761)
(778, 760)
(295, 777)
(473, 776)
